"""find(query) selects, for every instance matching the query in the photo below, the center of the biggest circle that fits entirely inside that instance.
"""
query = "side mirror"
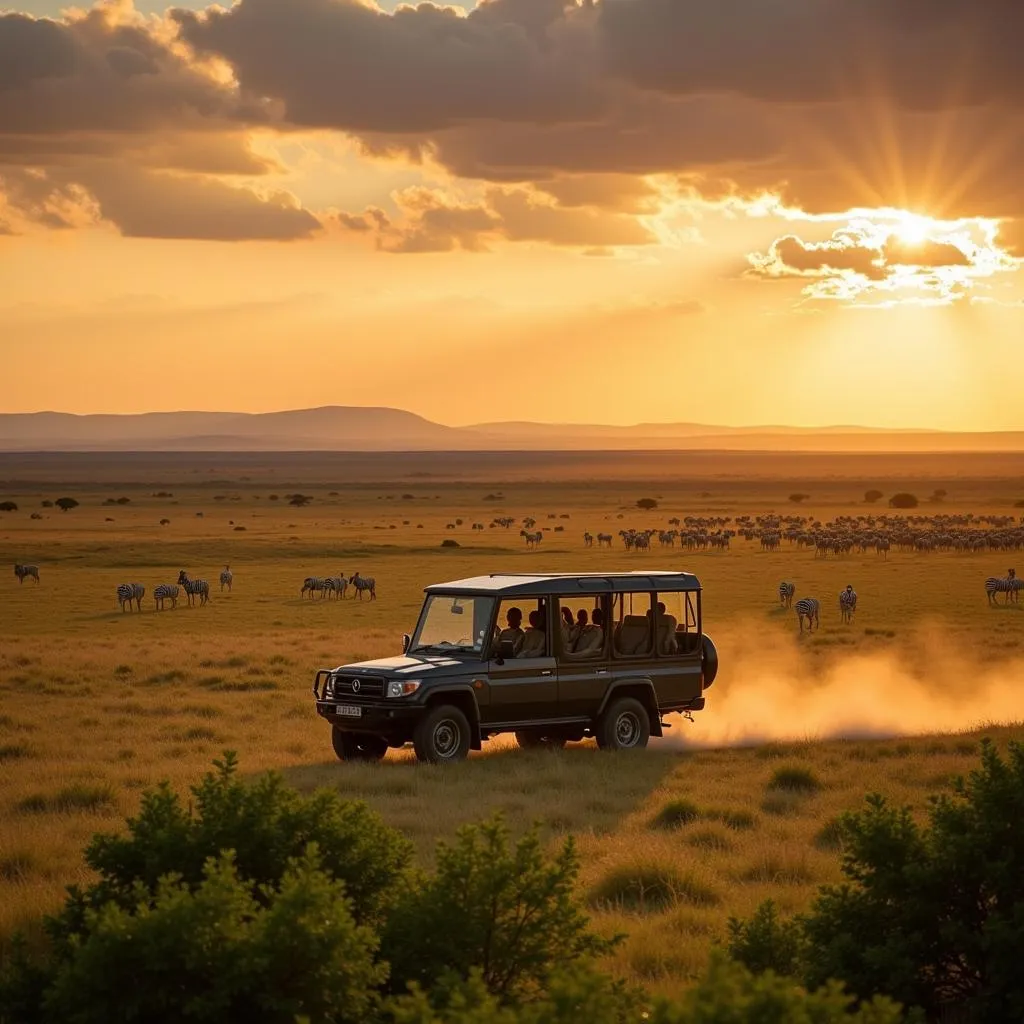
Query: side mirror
(406, 640)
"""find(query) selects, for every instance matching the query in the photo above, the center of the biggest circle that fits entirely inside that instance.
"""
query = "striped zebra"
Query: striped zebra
(847, 603)
(362, 583)
(604, 539)
(166, 592)
(21, 571)
(1008, 585)
(337, 585)
(226, 577)
(588, 540)
(787, 591)
(532, 539)
(315, 585)
(128, 592)
(194, 588)
(808, 608)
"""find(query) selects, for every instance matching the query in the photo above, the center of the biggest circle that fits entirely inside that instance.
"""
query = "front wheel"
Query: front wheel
(442, 735)
(531, 740)
(625, 725)
(351, 746)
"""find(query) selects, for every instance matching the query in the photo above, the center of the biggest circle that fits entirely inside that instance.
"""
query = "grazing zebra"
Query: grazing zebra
(847, 603)
(808, 608)
(336, 585)
(226, 577)
(21, 571)
(314, 584)
(604, 539)
(588, 540)
(194, 587)
(1008, 585)
(362, 583)
(532, 539)
(128, 592)
(166, 592)
(787, 591)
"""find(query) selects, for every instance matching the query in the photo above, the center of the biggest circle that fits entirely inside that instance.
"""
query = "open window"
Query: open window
(677, 624)
(582, 628)
(633, 629)
(520, 629)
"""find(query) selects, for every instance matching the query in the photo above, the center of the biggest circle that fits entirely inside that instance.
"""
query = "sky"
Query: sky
(792, 211)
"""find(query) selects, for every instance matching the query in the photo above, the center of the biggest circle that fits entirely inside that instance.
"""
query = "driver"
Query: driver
(513, 632)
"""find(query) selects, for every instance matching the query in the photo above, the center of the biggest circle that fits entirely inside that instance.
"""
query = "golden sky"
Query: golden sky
(623, 211)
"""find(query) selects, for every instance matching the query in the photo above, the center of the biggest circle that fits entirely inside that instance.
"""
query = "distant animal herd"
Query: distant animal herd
(845, 535)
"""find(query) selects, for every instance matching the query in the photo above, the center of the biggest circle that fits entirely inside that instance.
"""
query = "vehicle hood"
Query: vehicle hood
(409, 665)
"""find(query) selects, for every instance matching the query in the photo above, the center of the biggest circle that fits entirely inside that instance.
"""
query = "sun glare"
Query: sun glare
(913, 229)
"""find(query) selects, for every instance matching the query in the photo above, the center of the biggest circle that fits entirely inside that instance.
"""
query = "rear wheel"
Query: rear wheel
(530, 739)
(442, 735)
(625, 725)
(351, 746)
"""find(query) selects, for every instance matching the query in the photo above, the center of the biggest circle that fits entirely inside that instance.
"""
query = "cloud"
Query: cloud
(924, 254)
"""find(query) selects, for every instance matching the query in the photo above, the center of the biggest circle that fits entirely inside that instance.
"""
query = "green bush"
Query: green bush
(764, 943)
(903, 500)
(932, 915)
(675, 814)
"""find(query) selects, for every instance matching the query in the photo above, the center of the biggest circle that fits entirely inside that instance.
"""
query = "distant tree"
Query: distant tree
(939, 494)
(872, 496)
(65, 503)
(298, 500)
(408, 497)
(903, 500)
(797, 497)
(647, 503)
(165, 522)
(272, 497)
(124, 501)
(8, 506)
(46, 504)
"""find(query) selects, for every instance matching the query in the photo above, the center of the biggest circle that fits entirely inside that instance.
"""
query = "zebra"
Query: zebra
(194, 587)
(1008, 585)
(588, 540)
(314, 584)
(226, 577)
(532, 539)
(21, 571)
(808, 608)
(847, 603)
(362, 583)
(604, 539)
(787, 591)
(166, 592)
(336, 585)
(128, 592)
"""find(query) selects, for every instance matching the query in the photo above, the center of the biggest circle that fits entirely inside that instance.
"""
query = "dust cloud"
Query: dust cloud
(775, 687)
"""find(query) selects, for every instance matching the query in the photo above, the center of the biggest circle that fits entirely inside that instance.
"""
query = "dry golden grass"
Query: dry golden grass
(96, 705)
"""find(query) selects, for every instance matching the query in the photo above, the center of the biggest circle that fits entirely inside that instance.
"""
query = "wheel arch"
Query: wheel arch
(464, 699)
(642, 689)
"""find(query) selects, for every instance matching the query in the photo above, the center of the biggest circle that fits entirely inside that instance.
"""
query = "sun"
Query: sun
(913, 229)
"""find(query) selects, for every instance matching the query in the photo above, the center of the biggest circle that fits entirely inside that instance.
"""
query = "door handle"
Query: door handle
(545, 672)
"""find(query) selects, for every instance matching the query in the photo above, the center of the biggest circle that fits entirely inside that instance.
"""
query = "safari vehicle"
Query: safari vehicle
(605, 656)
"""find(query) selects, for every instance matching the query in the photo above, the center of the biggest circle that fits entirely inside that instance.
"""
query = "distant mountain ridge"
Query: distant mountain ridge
(358, 428)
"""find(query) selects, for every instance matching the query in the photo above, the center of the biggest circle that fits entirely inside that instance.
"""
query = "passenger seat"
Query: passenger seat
(667, 634)
(633, 636)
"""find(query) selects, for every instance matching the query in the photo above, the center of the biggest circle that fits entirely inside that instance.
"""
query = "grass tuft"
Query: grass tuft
(676, 814)
(795, 779)
(79, 796)
(651, 888)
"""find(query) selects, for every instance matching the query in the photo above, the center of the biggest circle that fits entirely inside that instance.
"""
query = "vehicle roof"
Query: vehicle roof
(523, 584)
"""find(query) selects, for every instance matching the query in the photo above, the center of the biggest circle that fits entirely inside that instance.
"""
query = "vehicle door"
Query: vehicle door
(523, 687)
(677, 670)
(582, 655)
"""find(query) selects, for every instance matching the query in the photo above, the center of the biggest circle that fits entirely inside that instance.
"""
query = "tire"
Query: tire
(625, 725)
(530, 739)
(352, 746)
(442, 736)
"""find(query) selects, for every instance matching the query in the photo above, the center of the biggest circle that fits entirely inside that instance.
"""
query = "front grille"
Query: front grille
(357, 686)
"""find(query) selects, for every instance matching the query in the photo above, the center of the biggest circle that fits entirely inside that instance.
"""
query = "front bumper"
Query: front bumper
(382, 719)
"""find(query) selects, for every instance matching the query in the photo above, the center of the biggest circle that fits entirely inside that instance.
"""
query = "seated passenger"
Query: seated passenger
(513, 632)
(666, 631)
(591, 638)
(632, 635)
(568, 626)
(577, 629)
(535, 640)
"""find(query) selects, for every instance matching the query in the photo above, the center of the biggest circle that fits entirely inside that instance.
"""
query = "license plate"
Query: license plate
(348, 709)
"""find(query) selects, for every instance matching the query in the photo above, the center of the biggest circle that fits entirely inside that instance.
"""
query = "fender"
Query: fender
(636, 682)
(459, 688)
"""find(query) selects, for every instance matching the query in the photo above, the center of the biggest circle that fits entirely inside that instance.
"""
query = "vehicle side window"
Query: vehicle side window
(633, 631)
(521, 629)
(581, 627)
(676, 624)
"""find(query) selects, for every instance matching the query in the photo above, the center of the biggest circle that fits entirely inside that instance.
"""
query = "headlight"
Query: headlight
(403, 687)
(329, 687)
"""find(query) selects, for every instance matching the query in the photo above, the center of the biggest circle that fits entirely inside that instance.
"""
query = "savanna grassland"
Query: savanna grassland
(96, 705)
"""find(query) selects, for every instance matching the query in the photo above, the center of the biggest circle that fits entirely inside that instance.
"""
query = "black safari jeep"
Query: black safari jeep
(550, 658)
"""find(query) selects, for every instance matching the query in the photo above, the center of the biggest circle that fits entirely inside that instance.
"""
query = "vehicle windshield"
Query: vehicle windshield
(450, 623)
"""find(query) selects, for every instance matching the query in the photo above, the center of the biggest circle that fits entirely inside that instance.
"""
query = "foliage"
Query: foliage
(933, 915)
(647, 504)
(903, 500)
(46, 504)
(508, 912)
(939, 494)
(8, 506)
(798, 497)
(298, 500)
(64, 504)
(765, 943)
(872, 496)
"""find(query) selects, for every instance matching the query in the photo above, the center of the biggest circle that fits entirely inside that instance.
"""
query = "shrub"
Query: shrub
(509, 913)
(647, 504)
(872, 496)
(675, 814)
(764, 943)
(903, 500)
(8, 506)
(46, 504)
(449, 543)
(650, 887)
(795, 779)
(299, 500)
(931, 914)
(797, 497)
(64, 504)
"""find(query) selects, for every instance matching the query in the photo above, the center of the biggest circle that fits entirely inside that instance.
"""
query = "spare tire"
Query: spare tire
(708, 661)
